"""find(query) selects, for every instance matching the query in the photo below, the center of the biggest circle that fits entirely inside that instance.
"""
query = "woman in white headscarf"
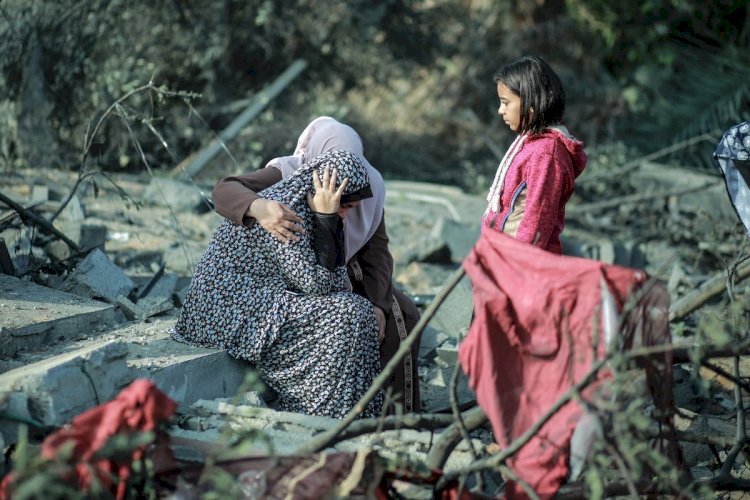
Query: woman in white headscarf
(370, 263)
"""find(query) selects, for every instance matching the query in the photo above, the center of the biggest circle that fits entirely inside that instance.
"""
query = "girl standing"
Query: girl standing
(536, 177)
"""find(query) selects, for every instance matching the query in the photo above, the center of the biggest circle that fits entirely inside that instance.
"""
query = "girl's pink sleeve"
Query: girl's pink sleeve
(547, 176)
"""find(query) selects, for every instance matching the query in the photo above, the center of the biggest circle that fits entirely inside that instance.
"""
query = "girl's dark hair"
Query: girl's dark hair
(540, 89)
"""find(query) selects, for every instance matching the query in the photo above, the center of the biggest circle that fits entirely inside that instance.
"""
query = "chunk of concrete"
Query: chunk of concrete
(184, 372)
(130, 310)
(458, 237)
(431, 339)
(98, 277)
(61, 387)
(454, 314)
(159, 297)
(33, 316)
(92, 236)
(73, 211)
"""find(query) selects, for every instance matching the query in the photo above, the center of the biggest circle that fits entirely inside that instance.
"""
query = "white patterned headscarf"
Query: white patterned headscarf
(733, 156)
(325, 134)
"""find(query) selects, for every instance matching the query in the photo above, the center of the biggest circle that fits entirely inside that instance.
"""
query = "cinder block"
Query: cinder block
(98, 277)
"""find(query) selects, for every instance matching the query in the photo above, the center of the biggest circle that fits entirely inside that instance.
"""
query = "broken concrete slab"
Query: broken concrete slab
(459, 237)
(131, 310)
(431, 339)
(287, 432)
(33, 316)
(98, 277)
(435, 385)
(186, 373)
(92, 236)
(61, 387)
(159, 298)
(73, 211)
(56, 385)
(454, 315)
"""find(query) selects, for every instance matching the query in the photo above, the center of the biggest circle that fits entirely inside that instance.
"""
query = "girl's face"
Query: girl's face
(510, 107)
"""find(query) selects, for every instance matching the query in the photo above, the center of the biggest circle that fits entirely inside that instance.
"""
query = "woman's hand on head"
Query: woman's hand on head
(327, 198)
(276, 218)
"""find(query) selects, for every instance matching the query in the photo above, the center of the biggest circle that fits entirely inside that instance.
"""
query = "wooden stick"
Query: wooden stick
(633, 198)
(450, 437)
(707, 291)
(196, 163)
(39, 221)
(632, 165)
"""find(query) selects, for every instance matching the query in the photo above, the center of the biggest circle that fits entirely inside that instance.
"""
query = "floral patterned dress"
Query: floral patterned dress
(314, 342)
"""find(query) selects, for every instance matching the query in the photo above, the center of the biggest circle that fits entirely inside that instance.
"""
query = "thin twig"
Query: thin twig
(450, 437)
(88, 138)
(741, 439)
(632, 165)
(460, 422)
(721, 371)
(39, 221)
(510, 474)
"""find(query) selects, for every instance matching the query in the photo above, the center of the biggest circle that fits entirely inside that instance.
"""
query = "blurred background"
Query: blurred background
(414, 77)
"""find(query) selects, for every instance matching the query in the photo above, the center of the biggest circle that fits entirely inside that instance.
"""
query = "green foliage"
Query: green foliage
(414, 77)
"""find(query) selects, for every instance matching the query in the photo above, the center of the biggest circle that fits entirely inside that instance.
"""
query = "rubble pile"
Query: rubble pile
(84, 318)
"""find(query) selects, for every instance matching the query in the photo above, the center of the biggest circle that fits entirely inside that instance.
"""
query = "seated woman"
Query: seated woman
(369, 261)
(284, 307)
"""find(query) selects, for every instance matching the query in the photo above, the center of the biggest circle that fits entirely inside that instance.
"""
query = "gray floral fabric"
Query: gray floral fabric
(314, 342)
(733, 157)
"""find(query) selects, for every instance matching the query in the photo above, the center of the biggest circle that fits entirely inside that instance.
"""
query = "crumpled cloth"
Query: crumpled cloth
(537, 316)
(140, 407)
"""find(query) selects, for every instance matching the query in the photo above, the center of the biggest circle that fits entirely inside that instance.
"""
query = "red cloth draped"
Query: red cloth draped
(140, 407)
(531, 339)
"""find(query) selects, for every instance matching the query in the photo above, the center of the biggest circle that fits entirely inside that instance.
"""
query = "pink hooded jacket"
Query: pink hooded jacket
(539, 183)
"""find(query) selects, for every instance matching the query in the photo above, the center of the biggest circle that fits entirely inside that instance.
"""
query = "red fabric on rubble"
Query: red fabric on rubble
(140, 407)
(529, 304)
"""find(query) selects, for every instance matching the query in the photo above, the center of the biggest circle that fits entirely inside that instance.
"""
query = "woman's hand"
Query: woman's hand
(276, 218)
(380, 317)
(327, 198)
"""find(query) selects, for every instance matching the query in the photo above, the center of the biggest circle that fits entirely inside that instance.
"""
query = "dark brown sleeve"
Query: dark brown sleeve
(233, 195)
(376, 263)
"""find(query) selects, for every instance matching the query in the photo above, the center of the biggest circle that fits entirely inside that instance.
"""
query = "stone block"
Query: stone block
(186, 373)
(98, 277)
(39, 193)
(73, 211)
(33, 316)
(159, 298)
(61, 387)
(458, 237)
(92, 236)
(129, 309)
(431, 339)
(454, 314)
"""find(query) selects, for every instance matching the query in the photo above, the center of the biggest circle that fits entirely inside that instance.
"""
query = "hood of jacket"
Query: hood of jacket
(573, 146)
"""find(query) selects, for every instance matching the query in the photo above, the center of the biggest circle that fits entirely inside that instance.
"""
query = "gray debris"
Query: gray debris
(98, 277)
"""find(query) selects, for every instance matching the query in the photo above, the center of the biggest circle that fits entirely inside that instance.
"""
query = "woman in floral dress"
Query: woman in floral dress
(286, 307)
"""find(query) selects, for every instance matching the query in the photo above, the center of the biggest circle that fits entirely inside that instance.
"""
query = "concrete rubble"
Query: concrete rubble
(65, 350)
